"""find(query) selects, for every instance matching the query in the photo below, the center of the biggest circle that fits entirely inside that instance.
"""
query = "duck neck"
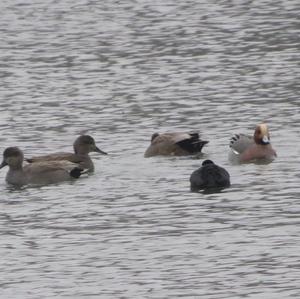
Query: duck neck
(264, 146)
(16, 167)
(81, 151)
(16, 177)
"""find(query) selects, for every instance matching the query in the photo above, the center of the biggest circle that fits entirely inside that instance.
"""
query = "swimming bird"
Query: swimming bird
(209, 176)
(246, 148)
(37, 173)
(177, 144)
(83, 145)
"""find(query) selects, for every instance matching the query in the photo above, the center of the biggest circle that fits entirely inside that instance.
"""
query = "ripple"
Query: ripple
(121, 71)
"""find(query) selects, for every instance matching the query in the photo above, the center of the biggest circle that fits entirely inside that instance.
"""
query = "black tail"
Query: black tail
(76, 172)
(192, 145)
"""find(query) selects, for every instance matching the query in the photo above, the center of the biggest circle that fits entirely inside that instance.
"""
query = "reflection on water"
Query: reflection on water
(120, 72)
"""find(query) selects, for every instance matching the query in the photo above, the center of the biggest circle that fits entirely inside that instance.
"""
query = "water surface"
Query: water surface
(120, 71)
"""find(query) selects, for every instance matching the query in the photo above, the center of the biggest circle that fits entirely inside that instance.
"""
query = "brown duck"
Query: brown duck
(83, 145)
(38, 173)
(176, 144)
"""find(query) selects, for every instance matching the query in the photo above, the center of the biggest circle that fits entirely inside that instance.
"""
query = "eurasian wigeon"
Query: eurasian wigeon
(83, 145)
(38, 173)
(176, 144)
(245, 148)
(209, 176)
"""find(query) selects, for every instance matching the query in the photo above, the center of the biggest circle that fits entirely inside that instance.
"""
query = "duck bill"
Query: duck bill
(98, 150)
(3, 164)
(265, 139)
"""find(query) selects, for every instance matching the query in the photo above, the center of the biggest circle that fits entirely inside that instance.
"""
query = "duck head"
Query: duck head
(207, 162)
(85, 144)
(13, 157)
(154, 136)
(262, 135)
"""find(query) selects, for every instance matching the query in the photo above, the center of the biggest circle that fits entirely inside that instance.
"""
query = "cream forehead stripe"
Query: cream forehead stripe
(264, 129)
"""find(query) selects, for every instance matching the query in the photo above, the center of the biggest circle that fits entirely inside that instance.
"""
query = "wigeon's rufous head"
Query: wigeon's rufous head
(262, 135)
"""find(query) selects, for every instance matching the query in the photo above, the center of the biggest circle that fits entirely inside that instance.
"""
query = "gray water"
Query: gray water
(120, 71)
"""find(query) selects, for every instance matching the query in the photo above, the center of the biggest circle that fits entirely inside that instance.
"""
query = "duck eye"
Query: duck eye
(88, 141)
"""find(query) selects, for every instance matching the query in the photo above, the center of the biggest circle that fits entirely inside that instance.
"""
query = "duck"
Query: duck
(37, 173)
(209, 176)
(174, 144)
(256, 148)
(83, 145)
